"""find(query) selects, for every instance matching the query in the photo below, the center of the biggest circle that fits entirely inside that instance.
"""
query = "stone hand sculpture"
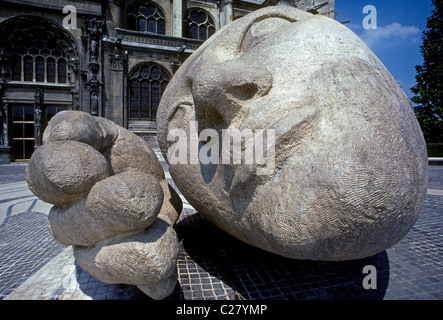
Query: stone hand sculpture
(111, 201)
(349, 176)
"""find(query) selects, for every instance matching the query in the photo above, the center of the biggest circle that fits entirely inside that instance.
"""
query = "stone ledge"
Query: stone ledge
(435, 161)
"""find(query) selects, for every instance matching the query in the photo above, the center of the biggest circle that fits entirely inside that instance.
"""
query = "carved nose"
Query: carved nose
(246, 82)
(245, 91)
(229, 87)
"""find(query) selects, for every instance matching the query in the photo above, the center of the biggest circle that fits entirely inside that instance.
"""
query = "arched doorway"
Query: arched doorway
(39, 78)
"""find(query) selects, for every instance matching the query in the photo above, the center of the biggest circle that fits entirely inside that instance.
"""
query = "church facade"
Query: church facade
(110, 58)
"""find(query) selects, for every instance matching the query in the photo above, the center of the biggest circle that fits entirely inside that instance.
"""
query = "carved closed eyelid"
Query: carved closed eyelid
(262, 30)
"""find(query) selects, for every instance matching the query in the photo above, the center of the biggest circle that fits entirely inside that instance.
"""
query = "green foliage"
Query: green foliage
(435, 150)
(428, 92)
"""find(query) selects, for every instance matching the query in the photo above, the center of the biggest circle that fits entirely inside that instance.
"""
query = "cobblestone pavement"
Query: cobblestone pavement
(212, 265)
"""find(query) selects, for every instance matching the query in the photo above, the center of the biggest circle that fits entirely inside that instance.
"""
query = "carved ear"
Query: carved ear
(262, 30)
(230, 38)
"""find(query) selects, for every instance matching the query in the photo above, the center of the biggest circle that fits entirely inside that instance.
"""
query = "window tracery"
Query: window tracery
(146, 86)
(198, 24)
(147, 16)
(39, 60)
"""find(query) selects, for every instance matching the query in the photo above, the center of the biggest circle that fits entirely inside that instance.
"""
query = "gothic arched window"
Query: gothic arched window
(146, 86)
(39, 60)
(146, 16)
(198, 24)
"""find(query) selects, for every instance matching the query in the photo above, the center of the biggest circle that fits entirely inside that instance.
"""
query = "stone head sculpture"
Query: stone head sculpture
(346, 170)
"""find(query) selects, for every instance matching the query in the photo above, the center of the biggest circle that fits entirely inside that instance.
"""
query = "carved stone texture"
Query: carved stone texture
(111, 201)
(350, 172)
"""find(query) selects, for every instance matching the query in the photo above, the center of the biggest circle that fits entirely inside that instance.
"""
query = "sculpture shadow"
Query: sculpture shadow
(256, 274)
(98, 290)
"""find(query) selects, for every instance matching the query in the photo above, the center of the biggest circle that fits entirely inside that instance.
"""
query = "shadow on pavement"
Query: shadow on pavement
(98, 290)
(257, 274)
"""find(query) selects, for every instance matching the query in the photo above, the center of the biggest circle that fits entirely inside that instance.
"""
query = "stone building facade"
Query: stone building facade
(110, 58)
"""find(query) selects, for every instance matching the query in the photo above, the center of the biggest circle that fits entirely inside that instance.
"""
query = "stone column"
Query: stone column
(92, 34)
(118, 65)
(227, 12)
(177, 18)
(3, 118)
(4, 141)
(3, 125)
(114, 15)
(38, 108)
(5, 149)
(75, 100)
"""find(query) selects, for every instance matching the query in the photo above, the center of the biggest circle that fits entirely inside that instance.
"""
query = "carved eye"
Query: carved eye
(262, 30)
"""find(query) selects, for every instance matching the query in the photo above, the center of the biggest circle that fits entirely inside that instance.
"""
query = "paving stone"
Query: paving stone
(213, 265)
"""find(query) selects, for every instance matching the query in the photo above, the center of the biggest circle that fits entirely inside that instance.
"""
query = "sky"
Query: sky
(397, 36)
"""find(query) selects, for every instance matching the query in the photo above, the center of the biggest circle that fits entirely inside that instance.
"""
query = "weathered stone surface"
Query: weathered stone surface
(172, 204)
(125, 202)
(350, 172)
(162, 289)
(147, 258)
(112, 201)
(131, 153)
(73, 224)
(124, 150)
(129, 201)
(76, 126)
(63, 172)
